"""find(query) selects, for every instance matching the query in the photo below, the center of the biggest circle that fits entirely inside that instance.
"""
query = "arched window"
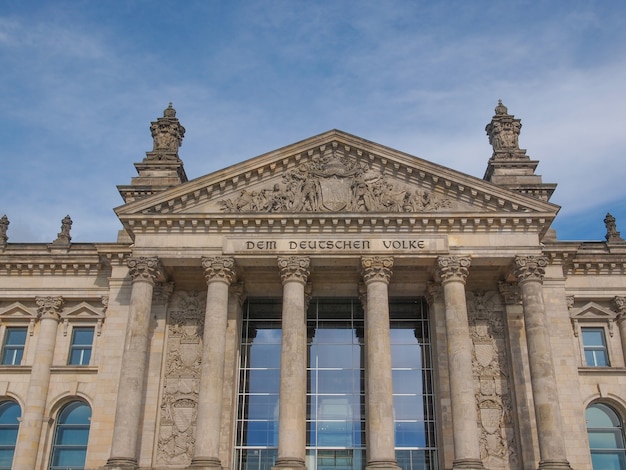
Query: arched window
(70, 437)
(606, 438)
(9, 414)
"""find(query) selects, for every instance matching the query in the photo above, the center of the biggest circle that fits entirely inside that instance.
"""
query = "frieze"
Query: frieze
(333, 182)
(336, 245)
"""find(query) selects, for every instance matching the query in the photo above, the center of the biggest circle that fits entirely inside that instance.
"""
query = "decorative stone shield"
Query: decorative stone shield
(335, 193)
(484, 352)
(490, 415)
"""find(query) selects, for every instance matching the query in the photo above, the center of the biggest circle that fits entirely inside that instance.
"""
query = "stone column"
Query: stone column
(220, 273)
(144, 272)
(26, 450)
(453, 271)
(620, 308)
(294, 272)
(529, 271)
(376, 271)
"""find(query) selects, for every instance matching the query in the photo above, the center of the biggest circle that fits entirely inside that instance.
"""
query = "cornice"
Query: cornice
(344, 222)
(587, 258)
(79, 259)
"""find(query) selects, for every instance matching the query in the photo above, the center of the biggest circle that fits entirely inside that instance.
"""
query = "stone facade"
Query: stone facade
(510, 310)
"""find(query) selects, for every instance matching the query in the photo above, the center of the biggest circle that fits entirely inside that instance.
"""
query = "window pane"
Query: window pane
(71, 436)
(608, 461)
(13, 348)
(606, 438)
(83, 336)
(593, 336)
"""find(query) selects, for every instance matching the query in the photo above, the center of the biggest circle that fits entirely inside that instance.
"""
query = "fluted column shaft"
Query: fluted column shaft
(377, 272)
(294, 272)
(219, 273)
(144, 272)
(27, 447)
(453, 271)
(529, 271)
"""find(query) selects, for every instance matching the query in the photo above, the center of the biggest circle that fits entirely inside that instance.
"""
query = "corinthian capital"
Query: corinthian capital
(530, 268)
(219, 268)
(294, 268)
(142, 268)
(49, 307)
(453, 268)
(376, 268)
(620, 306)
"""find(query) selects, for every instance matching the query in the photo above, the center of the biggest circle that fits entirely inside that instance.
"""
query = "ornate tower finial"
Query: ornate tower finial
(63, 237)
(167, 134)
(4, 225)
(612, 235)
(503, 132)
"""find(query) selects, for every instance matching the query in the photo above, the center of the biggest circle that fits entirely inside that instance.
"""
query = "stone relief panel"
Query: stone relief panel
(333, 181)
(498, 441)
(179, 397)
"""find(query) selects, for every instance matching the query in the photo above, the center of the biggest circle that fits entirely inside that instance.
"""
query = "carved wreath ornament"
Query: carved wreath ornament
(331, 183)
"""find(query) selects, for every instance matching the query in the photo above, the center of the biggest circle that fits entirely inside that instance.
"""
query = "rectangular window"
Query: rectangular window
(594, 344)
(13, 348)
(80, 349)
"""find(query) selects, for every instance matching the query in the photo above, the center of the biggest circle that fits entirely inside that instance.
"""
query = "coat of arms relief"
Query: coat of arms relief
(179, 399)
(335, 180)
(498, 441)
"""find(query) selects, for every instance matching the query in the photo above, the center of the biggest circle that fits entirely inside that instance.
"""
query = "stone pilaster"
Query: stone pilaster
(529, 271)
(377, 271)
(144, 271)
(453, 271)
(620, 308)
(220, 273)
(48, 309)
(294, 272)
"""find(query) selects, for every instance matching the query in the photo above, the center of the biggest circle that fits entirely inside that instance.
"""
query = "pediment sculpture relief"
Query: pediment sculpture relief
(333, 183)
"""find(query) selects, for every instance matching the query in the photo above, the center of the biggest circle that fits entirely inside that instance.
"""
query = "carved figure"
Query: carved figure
(4, 225)
(333, 182)
(612, 235)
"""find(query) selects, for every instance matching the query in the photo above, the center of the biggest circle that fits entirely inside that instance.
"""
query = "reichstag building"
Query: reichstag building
(333, 304)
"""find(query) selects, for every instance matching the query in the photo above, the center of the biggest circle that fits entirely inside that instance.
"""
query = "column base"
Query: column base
(467, 464)
(286, 463)
(120, 464)
(382, 465)
(554, 465)
(205, 463)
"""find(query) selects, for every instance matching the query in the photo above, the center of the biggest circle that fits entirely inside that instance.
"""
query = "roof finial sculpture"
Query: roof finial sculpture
(612, 235)
(503, 132)
(167, 134)
(4, 225)
(63, 237)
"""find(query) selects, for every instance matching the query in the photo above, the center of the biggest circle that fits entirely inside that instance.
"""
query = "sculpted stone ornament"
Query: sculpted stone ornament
(145, 269)
(510, 293)
(453, 268)
(49, 307)
(376, 268)
(503, 132)
(219, 268)
(4, 225)
(530, 268)
(63, 237)
(167, 134)
(333, 181)
(612, 235)
(294, 268)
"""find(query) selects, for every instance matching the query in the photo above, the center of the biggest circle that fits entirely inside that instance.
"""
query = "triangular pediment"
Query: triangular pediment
(592, 311)
(17, 311)
(335, 174)
(82, 311)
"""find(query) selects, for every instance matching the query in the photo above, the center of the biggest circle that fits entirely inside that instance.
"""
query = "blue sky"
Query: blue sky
(80, 82)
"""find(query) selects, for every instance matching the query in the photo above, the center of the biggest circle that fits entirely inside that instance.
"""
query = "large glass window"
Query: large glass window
(336, 395)
(335, 419)
(13, 346)
(259, 385)
(594, 343)
(70, 438)
(606, 438)
(80, 348)
(412, 385)
(9, 424)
